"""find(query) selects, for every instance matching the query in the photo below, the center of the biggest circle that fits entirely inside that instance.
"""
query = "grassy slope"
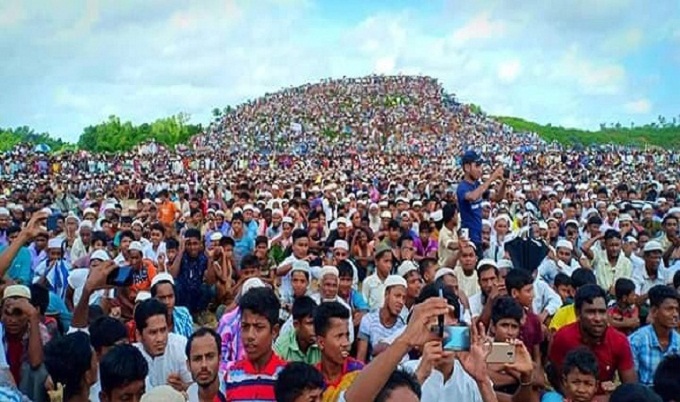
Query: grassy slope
(665, 137)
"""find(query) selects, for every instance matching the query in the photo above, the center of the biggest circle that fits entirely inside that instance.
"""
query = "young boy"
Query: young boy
(299, 382)
(579, 379)
(520, 286)
(564, 288)
(506, 320)
(253, 378)
(352, 297)
(624, 315)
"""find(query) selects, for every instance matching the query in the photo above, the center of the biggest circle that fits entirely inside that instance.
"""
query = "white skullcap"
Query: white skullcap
(341, 244)
(55, 242)
(443, 271)
(395, 280)
(406, 267)
(564, 244)
(329, 270)
(251, 283)
(135, 245)
(100, 255)
(162, 277)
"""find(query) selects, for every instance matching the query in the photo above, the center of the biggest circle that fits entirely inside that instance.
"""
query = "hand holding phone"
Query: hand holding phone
(120, 277)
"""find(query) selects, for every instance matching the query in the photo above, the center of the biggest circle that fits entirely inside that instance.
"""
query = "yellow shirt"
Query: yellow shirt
(564, 316)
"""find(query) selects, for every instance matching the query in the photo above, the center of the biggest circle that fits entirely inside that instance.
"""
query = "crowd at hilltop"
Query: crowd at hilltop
(311, 245)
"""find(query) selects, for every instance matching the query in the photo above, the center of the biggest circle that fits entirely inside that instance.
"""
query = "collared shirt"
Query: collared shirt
(373, 290)
(351, 368)
(446, 238)
(425, 249)
(182, 322)
(607, 274)
(229, 329)
(647, 352)
(244, 383)
(173, 361)
(460, 386)
(613, 351)
(287, 347)
(189, 288)
(643, 281)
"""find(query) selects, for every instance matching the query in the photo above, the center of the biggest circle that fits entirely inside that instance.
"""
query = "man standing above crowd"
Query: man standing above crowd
(470, 192)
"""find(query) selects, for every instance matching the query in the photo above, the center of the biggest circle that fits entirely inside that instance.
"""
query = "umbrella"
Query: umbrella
(526, 253)
(42, 148)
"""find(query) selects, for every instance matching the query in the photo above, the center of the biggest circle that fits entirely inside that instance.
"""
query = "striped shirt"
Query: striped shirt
(373, 331)
(244, 383)
(182, 323)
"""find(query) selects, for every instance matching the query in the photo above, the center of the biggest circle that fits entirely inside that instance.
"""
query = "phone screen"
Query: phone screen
(456, 338)
(120, 277)
(52, 223)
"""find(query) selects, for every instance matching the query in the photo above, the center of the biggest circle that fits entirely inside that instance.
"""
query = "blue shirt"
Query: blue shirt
(470, 211)
(20, 268)
(647, 352)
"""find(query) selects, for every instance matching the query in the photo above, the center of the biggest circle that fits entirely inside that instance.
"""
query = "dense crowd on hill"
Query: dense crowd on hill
(352, 240)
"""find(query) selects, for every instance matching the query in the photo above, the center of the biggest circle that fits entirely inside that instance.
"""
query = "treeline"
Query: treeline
(112, 135)
(11, 137)
(664, 133)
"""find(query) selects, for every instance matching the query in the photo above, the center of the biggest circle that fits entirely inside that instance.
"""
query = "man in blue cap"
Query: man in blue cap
(470, 192)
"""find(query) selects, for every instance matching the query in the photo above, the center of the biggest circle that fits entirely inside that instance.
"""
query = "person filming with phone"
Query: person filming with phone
(469, 193)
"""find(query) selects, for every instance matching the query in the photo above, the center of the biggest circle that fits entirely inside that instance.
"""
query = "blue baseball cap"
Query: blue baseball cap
(471, 157)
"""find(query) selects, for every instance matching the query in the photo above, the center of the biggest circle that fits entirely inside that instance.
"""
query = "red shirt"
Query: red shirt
(531, 332)
(613, 351)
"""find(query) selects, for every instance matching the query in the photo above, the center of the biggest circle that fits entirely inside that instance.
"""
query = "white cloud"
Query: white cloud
(508, 71)
(640, 106)
(480, 27)
(144, 60)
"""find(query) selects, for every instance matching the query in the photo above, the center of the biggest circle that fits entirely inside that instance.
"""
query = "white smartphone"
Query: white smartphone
(465, 233)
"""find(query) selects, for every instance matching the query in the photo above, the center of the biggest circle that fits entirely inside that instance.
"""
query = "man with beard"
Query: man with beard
(203, 359)
(610, 346)
(652, 343)
(164, 351)
(381, 324)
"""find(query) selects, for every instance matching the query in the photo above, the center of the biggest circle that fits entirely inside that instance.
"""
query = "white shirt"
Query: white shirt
(373, 290)
(545, 298)
(286, 288)
(476, 305)
(3, 355)
(173, 361)
(459, 387)
(288, 324)
(152, 255)
(192, 391)
(77, 279)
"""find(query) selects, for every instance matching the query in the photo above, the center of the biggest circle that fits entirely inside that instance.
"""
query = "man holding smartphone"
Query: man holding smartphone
(469, 194)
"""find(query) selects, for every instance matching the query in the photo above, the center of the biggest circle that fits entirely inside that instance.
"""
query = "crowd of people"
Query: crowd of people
(352, 240)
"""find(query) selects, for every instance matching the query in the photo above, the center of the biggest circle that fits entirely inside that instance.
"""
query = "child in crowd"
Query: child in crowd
(564, 288)
(257, 373)
(624, 315)
(579, 378)
(299, 382)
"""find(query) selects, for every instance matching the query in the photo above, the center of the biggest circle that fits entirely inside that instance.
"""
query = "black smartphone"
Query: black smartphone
(120, 277)
(506, 173)
(52, 223)
(440, 318)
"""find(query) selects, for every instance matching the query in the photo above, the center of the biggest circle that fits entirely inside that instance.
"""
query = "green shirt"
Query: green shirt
(287, 348)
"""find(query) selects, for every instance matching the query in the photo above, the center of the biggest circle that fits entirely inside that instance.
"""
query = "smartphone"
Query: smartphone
(465, 233)
(52, 223)
(506, 173)
(120, 277)
(501, 352)
(440, 318)
(456, 338)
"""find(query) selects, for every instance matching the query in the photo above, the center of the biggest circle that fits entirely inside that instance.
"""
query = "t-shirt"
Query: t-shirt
(167, 213)
(470, 211)
(244, 383)
(613, 351)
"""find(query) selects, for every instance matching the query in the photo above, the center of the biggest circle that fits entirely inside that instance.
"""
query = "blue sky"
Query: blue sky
(70, 63)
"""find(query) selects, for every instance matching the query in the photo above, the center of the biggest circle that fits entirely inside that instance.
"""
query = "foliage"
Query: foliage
(663, 133)
(114, 135)
(11, 137)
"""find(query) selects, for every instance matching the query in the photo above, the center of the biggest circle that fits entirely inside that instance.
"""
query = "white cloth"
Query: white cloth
(3, 355)
(476, 305)
(459, 387)
(151, 254)
(373, 290)
(545, 298)
(77, 279)
(173, 361)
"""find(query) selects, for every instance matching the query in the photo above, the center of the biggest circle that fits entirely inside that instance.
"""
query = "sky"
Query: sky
(67, 64)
